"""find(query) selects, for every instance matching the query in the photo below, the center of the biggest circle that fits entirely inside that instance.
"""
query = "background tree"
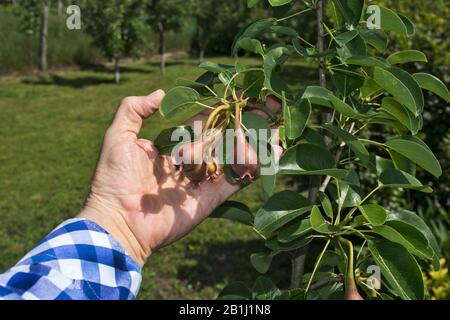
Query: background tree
(164, 16)
(115, 26)
(35, 15)
(216, 23)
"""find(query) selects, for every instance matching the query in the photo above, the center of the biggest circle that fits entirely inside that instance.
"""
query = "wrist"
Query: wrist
(116, 224)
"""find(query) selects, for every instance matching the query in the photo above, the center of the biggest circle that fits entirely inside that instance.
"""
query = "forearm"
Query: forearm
(117, 225)
(77, 260)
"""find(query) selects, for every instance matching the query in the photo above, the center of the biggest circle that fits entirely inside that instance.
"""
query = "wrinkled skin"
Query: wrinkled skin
(139, 196)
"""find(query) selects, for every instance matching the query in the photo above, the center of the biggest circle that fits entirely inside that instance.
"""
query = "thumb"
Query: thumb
(133, 110)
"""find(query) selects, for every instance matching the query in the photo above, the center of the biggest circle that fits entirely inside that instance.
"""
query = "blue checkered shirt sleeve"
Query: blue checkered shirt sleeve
(78, 260)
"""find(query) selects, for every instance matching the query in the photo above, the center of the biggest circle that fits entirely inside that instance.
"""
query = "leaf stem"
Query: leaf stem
(294, 15)
(350, 214)
(373, 142)
(227, 88)
(204, 105)
(316, 266)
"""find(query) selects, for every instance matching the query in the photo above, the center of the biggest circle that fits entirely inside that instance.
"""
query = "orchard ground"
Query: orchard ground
(51, 128)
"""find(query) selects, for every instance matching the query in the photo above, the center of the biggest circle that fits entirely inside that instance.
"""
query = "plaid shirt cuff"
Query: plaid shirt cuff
(78, 260)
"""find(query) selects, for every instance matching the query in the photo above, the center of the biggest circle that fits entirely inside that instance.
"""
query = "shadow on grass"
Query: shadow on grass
(231, 260)
(123, 70)
(76, 83)
(157, 64)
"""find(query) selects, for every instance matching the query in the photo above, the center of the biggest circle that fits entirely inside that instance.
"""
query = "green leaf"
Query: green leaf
(414, 220)
(355, 47)
(253, 30)
(252, 3)
(309, 159)
(259, 129)
(226, 78)
(345, 37)
(351, 10)
(281, 208)
(299, 48)
(313, 137)
(318, 95)
(296, 244)
(431, 83)
(399, 268)
(178, 99)
(165, 141)
(347, 110)
(284, 31)
(350, 194)
(265, 289)
(417, 152)
(403, 115)
(236, 291)
(374, 38)
(296, 117)
(346, 79)
(277, 3)
(261, 261)
(202, 88)
(374, 213)
(296, 229)
(268, 183)
(250, 45)
(216, 68)
(253, 83)
(367, 61)
(407, 236)
(407, 56)
(369, 88)
(380, 164)
(394, 178)
(273, 59)
(326, 204)
(410, 27)
(390, 21)
(350, 140)
(402, 163)
(319, 224)
(402, 86)
(235, 211)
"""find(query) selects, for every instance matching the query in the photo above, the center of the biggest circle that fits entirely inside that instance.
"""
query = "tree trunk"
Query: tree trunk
(299, 257)
(60, 7)
(43, 38)
(201, 56)
(314, 182)
(162, 47)
(117, 70)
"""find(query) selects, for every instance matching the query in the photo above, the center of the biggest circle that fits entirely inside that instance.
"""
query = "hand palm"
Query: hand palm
(138, 195)
(157, 202)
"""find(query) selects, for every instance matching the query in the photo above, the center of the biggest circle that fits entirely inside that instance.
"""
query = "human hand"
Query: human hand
(137, 195)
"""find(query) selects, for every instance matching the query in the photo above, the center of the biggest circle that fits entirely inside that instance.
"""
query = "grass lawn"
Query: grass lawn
(51, 128)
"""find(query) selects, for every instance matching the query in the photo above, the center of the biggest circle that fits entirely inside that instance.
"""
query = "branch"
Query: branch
(298, 261)
(298, 268)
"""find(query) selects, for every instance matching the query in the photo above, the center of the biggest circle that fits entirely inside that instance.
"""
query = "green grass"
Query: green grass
(51, 128)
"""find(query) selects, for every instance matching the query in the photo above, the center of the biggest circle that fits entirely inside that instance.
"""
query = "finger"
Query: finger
(133, 110)
(273, 104)
(148, 147)
(277, 152)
